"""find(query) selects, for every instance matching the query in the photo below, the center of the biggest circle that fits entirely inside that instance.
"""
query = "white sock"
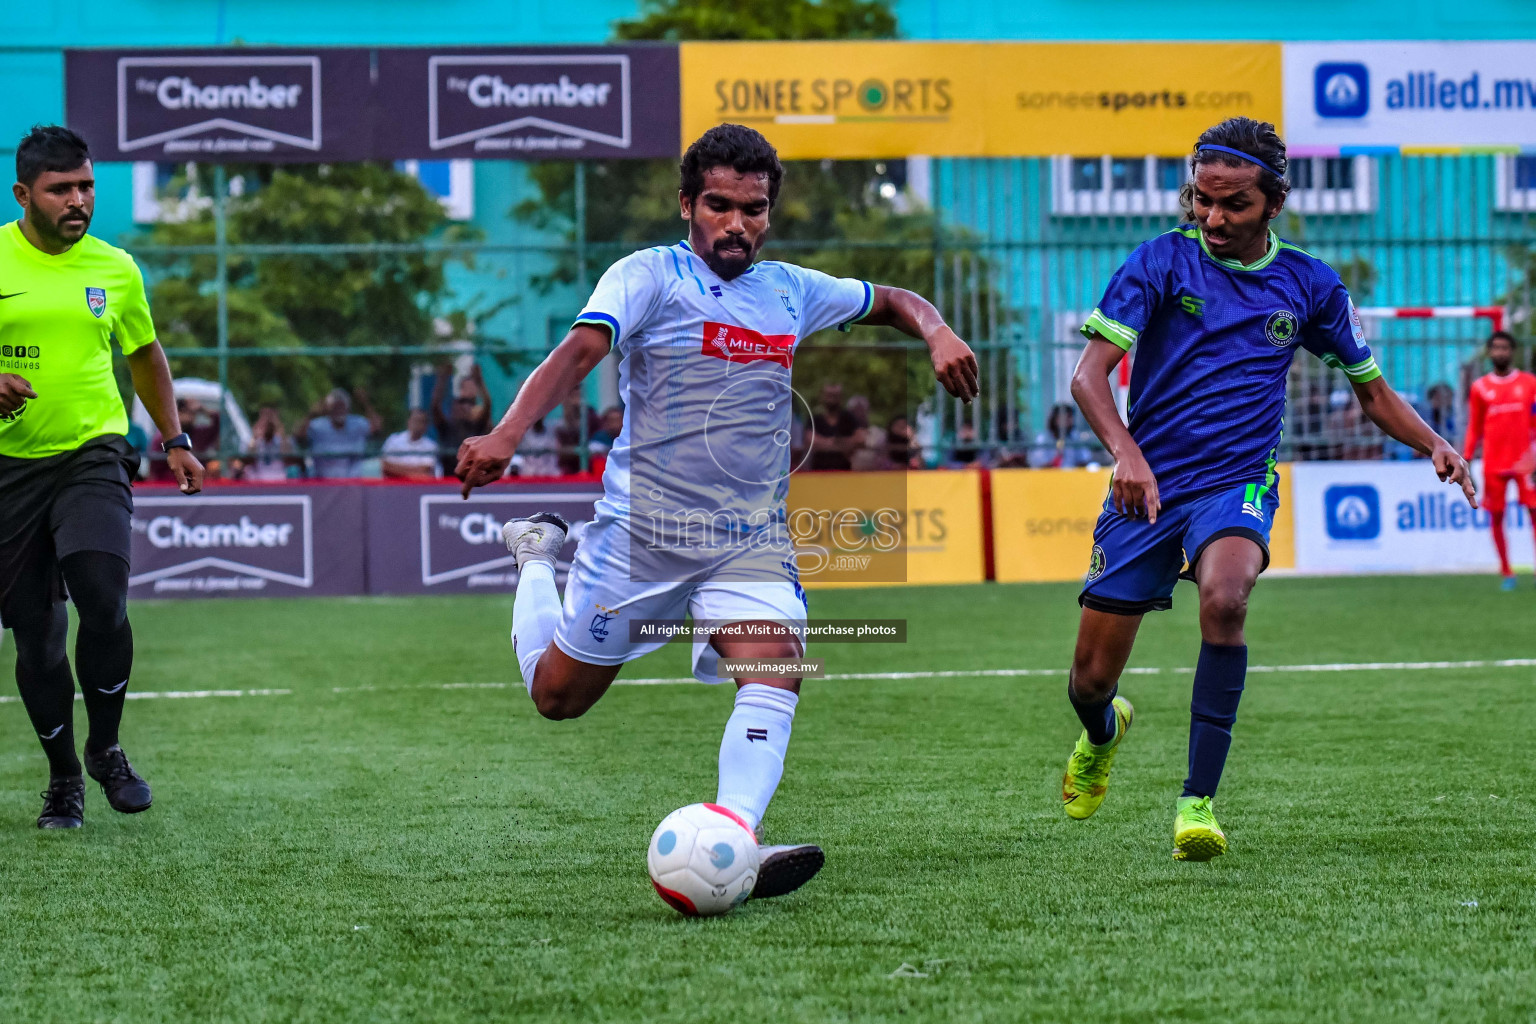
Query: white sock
(535, 614)
(752, 749)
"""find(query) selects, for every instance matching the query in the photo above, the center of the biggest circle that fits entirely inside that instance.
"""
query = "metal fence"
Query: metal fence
(1037, 239)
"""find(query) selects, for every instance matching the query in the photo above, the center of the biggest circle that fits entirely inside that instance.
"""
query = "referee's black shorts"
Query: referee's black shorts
(51, 508)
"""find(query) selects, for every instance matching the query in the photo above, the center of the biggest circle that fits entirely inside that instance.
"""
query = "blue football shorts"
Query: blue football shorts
(1135, 563)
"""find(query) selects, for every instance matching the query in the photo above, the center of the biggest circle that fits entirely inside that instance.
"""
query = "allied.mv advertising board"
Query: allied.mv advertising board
(1394, 517)
(1410, 94)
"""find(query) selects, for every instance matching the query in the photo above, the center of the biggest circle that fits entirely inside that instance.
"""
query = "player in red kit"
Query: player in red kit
(1503, 417)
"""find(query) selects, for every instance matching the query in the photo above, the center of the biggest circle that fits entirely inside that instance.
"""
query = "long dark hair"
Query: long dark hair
(1256, 138)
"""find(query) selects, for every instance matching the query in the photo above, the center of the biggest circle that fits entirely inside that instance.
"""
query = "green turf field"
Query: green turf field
(373, 846)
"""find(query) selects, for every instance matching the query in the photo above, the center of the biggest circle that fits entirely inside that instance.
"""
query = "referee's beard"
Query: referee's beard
(66, 229)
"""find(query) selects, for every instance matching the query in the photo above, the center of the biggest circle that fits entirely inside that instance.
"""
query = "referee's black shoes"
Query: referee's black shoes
(125, 790)
(63, 803)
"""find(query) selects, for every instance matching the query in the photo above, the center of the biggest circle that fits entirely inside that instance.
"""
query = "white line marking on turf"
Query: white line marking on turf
(178, 694)
(983, 673)
(1342, 666)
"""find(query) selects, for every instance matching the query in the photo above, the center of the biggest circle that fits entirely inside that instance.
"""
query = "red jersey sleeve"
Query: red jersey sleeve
(1477, 412)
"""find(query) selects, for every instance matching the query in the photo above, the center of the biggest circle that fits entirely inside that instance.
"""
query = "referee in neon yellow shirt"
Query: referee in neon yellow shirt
(65, 467)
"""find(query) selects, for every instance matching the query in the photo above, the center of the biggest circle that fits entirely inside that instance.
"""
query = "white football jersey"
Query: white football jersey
(704, 374)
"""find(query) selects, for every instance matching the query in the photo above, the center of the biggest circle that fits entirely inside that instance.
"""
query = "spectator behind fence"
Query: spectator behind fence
(336, 436)
(608, 432)
(834, 432)
(966, 451)
(469, 417)
(202, 427)
(1442, 416)
(270, 448)
(575, 415)
(901, 445)
(536, 452)
(1061, 445)
(410, 454)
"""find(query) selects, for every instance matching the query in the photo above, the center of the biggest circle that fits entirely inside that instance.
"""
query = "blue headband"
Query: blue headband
(1238, 153)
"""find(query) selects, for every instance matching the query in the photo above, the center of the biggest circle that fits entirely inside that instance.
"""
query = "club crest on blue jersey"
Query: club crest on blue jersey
(1280, 328)
(96, 298)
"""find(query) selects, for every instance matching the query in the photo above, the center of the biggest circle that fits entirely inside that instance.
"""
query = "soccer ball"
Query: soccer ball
(703, 860)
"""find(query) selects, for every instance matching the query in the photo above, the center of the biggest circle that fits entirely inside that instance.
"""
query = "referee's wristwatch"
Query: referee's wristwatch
(181, 440)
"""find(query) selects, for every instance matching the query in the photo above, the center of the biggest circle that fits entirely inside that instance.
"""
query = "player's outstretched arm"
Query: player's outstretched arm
(484, 459)
(954, 364)
(152, 383)
(1133, 490)
(1388, 411)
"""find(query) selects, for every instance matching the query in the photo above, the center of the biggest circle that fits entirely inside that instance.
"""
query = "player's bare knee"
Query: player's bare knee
(1223, 609)
(1090, 678)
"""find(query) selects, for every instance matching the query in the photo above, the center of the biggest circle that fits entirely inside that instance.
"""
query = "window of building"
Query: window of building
(1099, 185)
(1514, 179)
(1332, 184)
(167, 193)
(1108, 185)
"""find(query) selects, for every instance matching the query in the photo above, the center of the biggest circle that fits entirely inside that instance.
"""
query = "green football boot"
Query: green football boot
(1196, 836)
(1087, 778)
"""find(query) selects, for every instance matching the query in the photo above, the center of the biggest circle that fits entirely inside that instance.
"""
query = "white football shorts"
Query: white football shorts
(605, 604)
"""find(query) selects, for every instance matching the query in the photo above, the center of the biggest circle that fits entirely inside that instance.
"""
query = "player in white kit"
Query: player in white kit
(692, 520)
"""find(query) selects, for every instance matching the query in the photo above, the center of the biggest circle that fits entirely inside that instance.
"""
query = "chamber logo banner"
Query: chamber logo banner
(1409, 94)
(529, 103)
(259, 105)
(892, 99)
(208, 544)
(429, 540)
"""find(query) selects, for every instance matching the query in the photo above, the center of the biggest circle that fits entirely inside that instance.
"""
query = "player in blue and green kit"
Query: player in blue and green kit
(1216, 309)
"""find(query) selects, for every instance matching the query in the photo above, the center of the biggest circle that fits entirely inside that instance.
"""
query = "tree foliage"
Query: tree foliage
(308, 300)
(634, 202)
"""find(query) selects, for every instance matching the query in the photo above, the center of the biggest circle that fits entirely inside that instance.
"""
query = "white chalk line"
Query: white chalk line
(982, 673)
(1342, 666)
(177, 694)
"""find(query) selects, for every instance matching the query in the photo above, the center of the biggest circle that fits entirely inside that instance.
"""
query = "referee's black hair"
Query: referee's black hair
(736, 146)
(1496, 335)
(1256, 138)
(48, 147)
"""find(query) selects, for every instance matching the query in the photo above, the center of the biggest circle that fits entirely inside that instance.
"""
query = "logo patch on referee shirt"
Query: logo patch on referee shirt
(96, 298)
(1281, 328)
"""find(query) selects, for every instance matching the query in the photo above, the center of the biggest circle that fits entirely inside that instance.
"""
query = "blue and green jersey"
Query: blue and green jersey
(1214, 342)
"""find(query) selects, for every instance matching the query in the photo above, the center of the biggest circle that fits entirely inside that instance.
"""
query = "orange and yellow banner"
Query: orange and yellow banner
(892, 99)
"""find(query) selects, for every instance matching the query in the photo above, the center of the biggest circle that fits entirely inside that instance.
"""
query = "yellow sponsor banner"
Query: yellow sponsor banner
(1282, 534)
(875, 529)
(892, 99)
(1042, 523)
